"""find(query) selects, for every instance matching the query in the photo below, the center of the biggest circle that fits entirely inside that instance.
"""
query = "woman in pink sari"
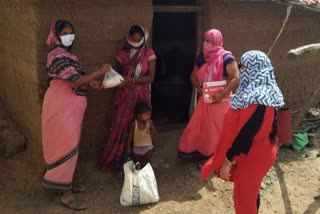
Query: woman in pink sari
(137, 65)
(62, 113)
(199, 139)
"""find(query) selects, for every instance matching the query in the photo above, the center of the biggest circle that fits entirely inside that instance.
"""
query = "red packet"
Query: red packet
(212, 88)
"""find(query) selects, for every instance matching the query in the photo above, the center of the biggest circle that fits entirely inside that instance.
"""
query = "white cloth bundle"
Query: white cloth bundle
(112, 79)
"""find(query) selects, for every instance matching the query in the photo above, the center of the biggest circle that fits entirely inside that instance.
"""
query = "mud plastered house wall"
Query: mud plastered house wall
(100, 30)
(254, 25)
(100, 27)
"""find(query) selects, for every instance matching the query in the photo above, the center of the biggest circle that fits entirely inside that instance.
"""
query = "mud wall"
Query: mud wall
(18, 66)
(255, 25)
(100, 28)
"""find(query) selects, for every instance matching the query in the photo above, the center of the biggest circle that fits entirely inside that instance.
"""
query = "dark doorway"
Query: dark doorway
(174, 42)
(174, 2)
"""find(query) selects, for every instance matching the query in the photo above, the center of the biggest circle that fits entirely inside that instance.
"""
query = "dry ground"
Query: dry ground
(288, 188)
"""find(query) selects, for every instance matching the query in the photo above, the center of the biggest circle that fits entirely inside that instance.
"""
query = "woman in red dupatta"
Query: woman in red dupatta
(137, 65)
(200, 137)
(62, 113)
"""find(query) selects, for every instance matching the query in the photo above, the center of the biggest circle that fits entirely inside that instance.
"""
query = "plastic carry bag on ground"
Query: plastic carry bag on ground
(140, 186)
(112, 79)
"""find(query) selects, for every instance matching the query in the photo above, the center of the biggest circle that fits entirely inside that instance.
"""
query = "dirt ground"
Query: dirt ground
(288, 188)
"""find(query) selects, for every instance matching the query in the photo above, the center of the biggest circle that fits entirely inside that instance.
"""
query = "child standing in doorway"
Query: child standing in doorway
(140, 135)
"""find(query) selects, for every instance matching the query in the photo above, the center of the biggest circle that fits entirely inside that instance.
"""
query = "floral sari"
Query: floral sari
(133, 63)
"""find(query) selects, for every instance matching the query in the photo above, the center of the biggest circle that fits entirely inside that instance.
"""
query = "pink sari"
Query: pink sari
(62, 114)
(200, 137)
(125, 102)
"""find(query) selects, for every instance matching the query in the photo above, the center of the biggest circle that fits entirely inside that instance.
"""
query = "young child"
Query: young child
(140, 135)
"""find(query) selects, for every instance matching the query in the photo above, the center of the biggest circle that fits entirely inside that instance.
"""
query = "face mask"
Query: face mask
(136, 45)
(67, 40)
(207, 48)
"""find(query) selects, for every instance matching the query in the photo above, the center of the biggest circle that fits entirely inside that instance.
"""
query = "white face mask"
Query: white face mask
(67, 40)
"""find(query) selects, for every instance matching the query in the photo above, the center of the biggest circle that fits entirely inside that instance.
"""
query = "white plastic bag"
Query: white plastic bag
(140, 186)
(112, 79)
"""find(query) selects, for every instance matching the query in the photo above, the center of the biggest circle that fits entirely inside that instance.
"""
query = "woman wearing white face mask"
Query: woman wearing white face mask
(67, 40)
(137, 65)
(62, 113)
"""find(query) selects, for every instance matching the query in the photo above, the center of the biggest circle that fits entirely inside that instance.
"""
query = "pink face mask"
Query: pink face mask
(207, 48)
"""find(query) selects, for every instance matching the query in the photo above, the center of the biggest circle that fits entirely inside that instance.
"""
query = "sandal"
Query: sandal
(74, 204)
(78, 188)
